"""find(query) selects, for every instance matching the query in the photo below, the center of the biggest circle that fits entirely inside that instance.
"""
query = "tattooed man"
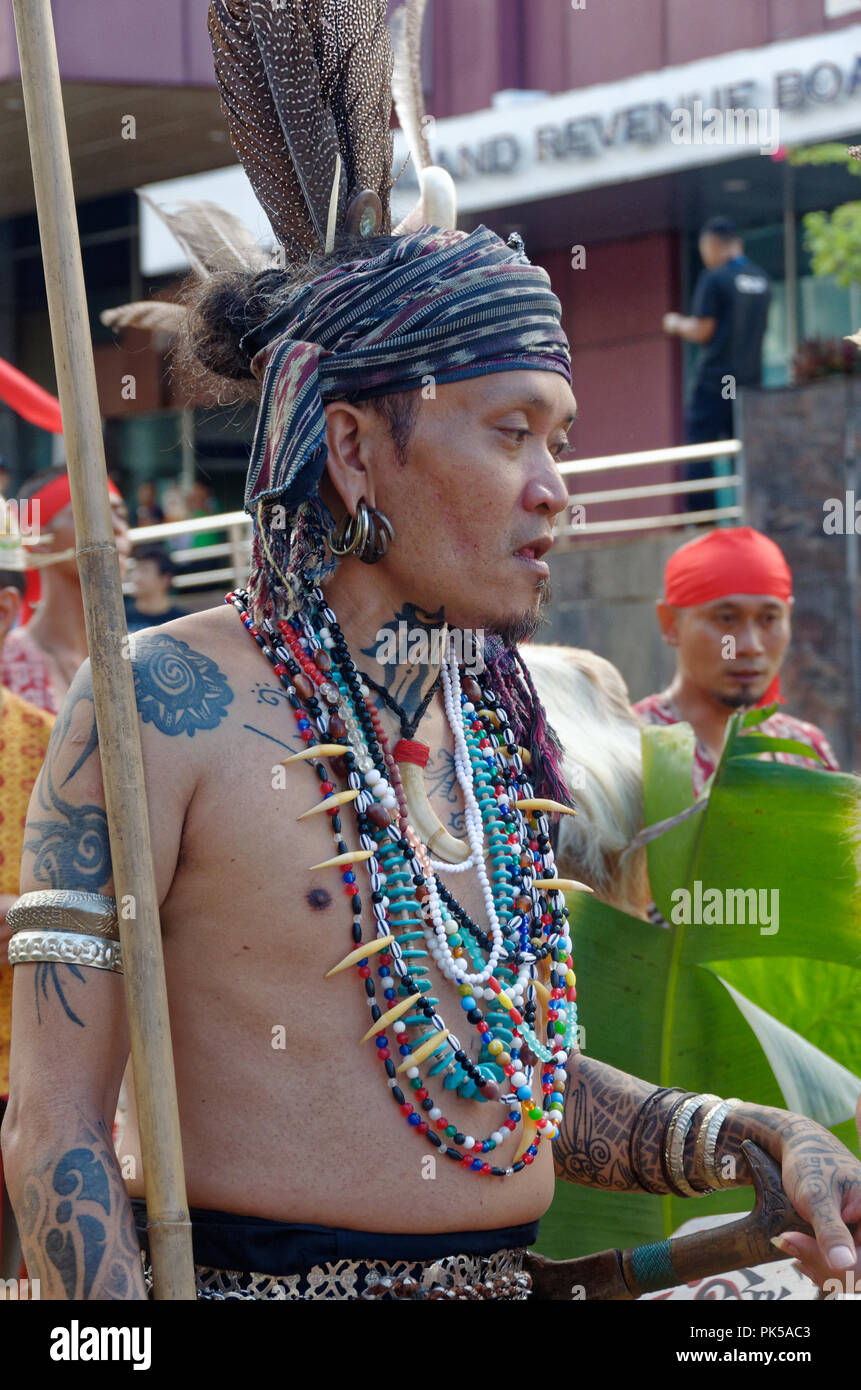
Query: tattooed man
(373, 1005)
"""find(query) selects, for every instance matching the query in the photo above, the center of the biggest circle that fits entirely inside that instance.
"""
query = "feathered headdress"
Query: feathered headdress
(307, 88)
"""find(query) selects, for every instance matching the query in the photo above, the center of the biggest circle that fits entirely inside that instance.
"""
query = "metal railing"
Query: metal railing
(646, 458)
(235, 550)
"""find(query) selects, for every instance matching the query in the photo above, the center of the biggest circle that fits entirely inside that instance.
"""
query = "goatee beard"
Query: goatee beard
(522, 627)
(738, 701)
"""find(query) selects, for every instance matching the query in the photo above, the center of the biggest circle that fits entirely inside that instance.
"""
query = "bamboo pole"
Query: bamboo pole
(113, 686)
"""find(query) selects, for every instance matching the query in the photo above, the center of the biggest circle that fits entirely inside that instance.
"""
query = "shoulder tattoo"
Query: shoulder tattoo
(178, 689)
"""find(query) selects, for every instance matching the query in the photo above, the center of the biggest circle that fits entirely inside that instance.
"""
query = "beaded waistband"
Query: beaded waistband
(455, 1277)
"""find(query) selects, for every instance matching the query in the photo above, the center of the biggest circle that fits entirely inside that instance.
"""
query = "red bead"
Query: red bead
(547, 1088)
(307, 736)
(441, 1123)
(423, 1127)
(515, 1015)
(364, 971)
(485, 1167)
(280, 669)
(494, 984)
(351, 890)
(406, 1108)
(466, 1160)
(383, 1054)
(510, 1124)
(509, 1069)
(327, 787)
(528, 1158)
(421, 1093)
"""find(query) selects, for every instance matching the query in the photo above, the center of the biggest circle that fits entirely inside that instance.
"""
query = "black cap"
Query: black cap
(722, 227)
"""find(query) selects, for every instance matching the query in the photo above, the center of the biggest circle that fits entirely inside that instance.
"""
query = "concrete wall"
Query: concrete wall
(801, 447)
(604, 600)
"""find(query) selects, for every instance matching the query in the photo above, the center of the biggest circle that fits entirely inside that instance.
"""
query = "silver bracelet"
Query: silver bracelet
(65, 948)
(63, 910)
(707, 1142)
(674, 1146)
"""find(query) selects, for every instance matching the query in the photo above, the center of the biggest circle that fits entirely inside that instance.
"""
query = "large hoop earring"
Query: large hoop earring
(365, 535)
(351, 533)
(380, 532)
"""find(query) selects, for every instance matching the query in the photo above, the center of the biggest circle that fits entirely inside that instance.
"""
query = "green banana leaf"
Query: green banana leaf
(769, 1009)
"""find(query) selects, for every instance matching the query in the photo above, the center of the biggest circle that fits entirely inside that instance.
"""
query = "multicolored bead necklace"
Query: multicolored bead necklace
(415, 915)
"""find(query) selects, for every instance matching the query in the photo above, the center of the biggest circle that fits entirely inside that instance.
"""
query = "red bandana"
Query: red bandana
(52, 498)
(736, 560)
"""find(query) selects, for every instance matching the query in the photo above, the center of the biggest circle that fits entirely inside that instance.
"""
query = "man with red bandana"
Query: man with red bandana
(726, 609)
(42, 654)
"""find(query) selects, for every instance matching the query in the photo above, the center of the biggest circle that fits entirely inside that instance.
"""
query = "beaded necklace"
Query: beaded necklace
(526, 915)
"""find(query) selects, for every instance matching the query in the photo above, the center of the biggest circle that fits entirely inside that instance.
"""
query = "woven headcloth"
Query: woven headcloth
(440, 304)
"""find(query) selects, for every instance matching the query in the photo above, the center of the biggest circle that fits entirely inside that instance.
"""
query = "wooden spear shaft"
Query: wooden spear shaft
(108, 642)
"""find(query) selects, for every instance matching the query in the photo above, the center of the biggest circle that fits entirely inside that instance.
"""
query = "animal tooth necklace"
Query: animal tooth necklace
(414, 915)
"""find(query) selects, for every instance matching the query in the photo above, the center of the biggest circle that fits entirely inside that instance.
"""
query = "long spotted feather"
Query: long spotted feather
(301, 81)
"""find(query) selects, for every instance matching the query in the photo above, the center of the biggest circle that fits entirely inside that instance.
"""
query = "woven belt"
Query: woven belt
(455, 1277)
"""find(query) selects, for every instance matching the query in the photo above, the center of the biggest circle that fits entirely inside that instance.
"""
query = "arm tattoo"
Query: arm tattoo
(600, 1109)
(178, 689)
(71, 850)
(76, 1224)
(48, 974)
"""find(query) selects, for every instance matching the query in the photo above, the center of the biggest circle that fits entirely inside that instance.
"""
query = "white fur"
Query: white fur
(587, 704)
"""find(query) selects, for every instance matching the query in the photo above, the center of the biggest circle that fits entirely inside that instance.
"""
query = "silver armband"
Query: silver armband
(66, 948)
(61, 910)
(66, 927)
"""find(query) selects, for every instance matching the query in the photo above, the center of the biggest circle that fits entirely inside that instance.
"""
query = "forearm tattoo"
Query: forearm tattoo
(76, 1224)
(593, 1146)
(606, 1109)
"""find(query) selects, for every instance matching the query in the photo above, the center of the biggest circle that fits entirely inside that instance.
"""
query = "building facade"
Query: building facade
(605, 131)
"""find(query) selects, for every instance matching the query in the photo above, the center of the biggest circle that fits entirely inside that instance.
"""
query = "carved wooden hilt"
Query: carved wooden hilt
(625, 1274)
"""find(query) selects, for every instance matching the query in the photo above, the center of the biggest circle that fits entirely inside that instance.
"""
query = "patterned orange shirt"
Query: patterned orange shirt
(24, 734)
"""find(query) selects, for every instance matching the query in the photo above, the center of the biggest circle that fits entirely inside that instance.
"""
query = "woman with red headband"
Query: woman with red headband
(41, 656)
(726, 610)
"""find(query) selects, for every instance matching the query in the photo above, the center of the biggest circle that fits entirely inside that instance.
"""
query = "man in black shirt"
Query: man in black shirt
(728, 320)
(152, 576)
